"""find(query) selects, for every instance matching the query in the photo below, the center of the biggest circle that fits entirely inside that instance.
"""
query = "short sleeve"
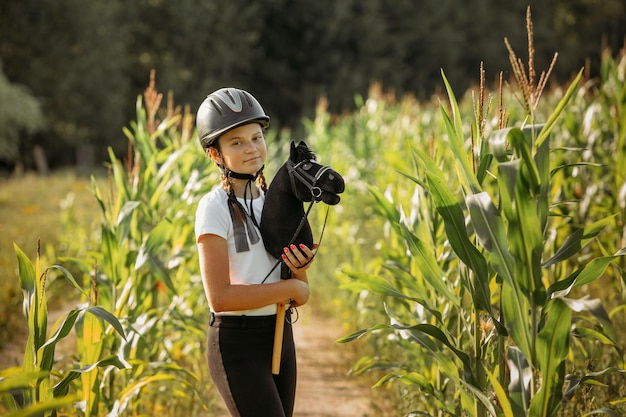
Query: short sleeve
(212, 216)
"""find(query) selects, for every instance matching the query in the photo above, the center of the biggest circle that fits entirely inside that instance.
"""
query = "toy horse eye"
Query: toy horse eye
(307, 166)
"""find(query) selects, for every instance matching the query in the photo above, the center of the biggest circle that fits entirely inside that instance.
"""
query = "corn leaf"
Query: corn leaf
(499, 145)
(521, 374)
(525, 240)
(67, 274)
(28, 283)
(62, 387)
(552, 346)
(100, 312)
(427, 262)
(490, 231)
(604, 411)
(386, 208)
(150, 252)
(503, 398)
(458, 149)
(439, 335)
(483, 167)
(573, 382)
(39, 409)
(445, 364)
(124, 219)
(516, 137)
(360, 333)
(575, 242)
(375, 284)
(458, 124)
(26, 272)
(18, 379)
(454, 223)
(134, 389)
(551, 122)
(415, 288)
(596, 308)
(480, 395)
(589, 273)
(47, 350)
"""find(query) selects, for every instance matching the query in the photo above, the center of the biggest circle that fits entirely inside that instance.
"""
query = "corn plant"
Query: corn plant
(479, 302)
(37, 388)
(142, 278)
(145, 269)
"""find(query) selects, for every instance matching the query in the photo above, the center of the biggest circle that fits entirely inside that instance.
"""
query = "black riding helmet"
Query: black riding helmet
(226, 109)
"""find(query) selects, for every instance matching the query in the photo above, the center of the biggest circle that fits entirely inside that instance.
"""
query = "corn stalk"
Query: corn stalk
(478, 287)
(36, 388)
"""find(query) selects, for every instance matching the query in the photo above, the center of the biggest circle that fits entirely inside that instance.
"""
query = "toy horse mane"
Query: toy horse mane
(303, 152)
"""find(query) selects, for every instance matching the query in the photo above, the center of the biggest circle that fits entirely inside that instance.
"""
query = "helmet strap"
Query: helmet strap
(239, 176)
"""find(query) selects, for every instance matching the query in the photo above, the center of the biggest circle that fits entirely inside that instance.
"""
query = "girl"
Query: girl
(234, 263)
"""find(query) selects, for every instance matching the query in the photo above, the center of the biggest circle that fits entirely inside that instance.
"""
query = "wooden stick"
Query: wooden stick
(278, 338)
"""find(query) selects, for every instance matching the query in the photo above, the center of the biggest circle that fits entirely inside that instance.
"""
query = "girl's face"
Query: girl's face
(242, 149)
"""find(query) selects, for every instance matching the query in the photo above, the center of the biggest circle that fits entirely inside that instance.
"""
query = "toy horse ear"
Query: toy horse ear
(293, 154)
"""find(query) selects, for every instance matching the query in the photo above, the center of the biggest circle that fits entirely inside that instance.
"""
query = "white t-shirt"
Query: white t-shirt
(250, 267)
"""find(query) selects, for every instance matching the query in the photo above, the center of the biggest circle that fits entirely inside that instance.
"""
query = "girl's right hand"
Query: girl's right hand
(300, 293)
(299, 259)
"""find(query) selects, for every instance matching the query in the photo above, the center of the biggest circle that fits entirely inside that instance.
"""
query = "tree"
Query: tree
(87, 61)
(71, 56)
(20, 116)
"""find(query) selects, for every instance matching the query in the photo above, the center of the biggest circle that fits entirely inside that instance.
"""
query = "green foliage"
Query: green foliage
(480, 262)
(32, 389)
(494, 265)
(57, 210)
(22, 116)
(141, 277)
(146, 271)
(71, 56)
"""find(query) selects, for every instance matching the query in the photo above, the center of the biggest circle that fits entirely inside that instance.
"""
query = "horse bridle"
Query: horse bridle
(300, 171)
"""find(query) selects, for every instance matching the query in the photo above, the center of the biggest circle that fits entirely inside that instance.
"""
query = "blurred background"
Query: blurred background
(70, 69)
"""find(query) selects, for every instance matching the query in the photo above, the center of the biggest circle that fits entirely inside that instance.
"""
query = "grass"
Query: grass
(31, 208)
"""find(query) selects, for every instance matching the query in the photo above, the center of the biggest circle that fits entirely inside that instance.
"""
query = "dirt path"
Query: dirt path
(324, 387)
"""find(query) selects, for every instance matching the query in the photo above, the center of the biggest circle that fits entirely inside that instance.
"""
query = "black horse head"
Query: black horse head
(300, 179)
(311, 180)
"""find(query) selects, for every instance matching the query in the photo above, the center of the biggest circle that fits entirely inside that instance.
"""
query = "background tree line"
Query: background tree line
(70, 69)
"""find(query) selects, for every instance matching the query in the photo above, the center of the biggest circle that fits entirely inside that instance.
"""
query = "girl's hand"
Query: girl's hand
(300, 291)
(298, 258)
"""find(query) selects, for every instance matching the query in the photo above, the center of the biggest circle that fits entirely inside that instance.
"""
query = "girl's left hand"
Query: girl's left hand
(298, 258)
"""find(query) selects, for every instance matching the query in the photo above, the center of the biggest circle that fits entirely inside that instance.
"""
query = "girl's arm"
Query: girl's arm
(224, 296)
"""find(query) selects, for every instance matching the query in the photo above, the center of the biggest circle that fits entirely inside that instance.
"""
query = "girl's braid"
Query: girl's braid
(226, 184)
(262, 182)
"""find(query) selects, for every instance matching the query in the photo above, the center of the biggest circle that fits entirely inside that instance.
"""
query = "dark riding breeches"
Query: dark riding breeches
(239, 354)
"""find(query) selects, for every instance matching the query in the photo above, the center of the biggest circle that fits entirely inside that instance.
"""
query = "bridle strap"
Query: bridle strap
(293, 238)
(296, 171)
